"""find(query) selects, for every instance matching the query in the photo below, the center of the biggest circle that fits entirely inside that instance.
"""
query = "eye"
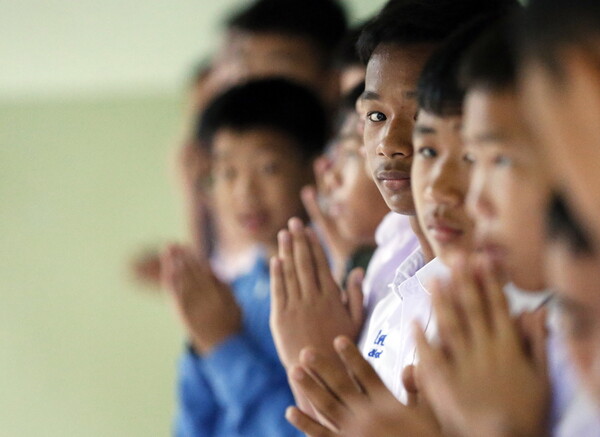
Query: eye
(270, 168)
(427, 152)
(376, 116)
(225, 173)
(502, 161)
(469, 158)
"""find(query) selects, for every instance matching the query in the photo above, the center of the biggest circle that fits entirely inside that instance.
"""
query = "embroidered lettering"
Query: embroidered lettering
(380, 339)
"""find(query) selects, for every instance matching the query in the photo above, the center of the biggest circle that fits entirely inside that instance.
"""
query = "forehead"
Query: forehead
(231, 144)
(394, 67)
(443, 127)
(492, 114)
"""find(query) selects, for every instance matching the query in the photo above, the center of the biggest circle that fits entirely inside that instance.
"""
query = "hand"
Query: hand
(145, 268)
(307, 306)
(482, 379)
(206, 306)
(340, 248)
(354, 402)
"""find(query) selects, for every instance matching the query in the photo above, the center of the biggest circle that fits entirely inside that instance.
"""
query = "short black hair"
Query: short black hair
(491, 63)
(439, 91)
(422, 21)
(563, 226)
(271, 103)
(347, 54)
(323, 22)
(549, 25)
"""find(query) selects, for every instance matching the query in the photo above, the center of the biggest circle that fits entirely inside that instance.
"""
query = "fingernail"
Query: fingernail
(308, 355)
(295, 224)
(283, 236)
(341, 343)
(297, 374)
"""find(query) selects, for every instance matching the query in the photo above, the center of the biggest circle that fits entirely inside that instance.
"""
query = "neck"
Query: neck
(425, 246)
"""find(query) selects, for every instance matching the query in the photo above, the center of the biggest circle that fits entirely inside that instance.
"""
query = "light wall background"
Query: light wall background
(91, 95)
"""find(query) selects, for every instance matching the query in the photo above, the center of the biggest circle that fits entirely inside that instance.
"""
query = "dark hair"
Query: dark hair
(422, 21)
(324, 22)
(272, 103)
(347, 54)
(491, 62)
(348, 100)
(562, 225)
(438, 90)
(549, 25)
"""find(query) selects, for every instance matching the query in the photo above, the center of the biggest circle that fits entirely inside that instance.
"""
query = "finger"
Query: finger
(363, 374)
(286, 257)
(278, 292)
(451, 332)
(431, 358)
(473, 306)
(499, 313)
(329, 370)
(327, 283)
(410, 385)
(311, 204)
(538, 339)
(355, 297)
(307, 424)
(303, 259)
(321, 398)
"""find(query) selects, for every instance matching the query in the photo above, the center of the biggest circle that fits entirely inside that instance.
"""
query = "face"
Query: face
(257, 178)
(355, 203)
(574, 277)
(389, 107)
(564, 116)
(508, 191)
(440, 177)
(251, 55)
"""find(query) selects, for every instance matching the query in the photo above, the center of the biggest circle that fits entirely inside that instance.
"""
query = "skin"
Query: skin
(389, 107)
(483, 377)
(251, 55)
(508, 189)
(356, 205)
(440, 177)
(574, 277)
(258, 175)
(566, 111)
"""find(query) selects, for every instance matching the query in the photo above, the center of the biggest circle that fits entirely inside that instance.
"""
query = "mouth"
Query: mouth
(495, 252)
(393, 180)
(444, 231)
(253, 221)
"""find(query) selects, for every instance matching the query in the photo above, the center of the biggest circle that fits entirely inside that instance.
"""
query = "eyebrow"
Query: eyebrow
(421, 129)
(372, 95)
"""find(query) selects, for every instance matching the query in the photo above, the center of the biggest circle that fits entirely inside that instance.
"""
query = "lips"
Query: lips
(444, 231)
(394, 180)
(253, 221)
(495, 252)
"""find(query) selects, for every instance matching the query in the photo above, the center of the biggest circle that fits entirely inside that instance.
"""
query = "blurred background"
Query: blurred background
(91, 103)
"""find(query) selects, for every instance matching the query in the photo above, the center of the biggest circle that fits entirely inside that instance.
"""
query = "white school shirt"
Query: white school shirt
(390, 345)
(396, 241)
(573, 413)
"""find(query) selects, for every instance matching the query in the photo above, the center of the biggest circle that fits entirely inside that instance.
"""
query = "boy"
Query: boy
(355, 207)
(507, 197)
(231, 381)
(561, 94)
(296, 39)
(396, 45)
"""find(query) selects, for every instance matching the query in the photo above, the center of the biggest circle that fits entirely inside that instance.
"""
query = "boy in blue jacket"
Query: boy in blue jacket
(262, 136)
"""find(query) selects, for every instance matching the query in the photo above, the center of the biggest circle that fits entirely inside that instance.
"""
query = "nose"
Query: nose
(246, 188)
(446, 185)
(396, 140)
(478, 200)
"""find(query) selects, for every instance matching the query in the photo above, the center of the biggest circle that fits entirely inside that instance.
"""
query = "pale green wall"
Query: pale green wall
(84, 182)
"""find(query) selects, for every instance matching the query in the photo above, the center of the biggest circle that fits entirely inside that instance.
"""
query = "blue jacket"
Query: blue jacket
(240, 388)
